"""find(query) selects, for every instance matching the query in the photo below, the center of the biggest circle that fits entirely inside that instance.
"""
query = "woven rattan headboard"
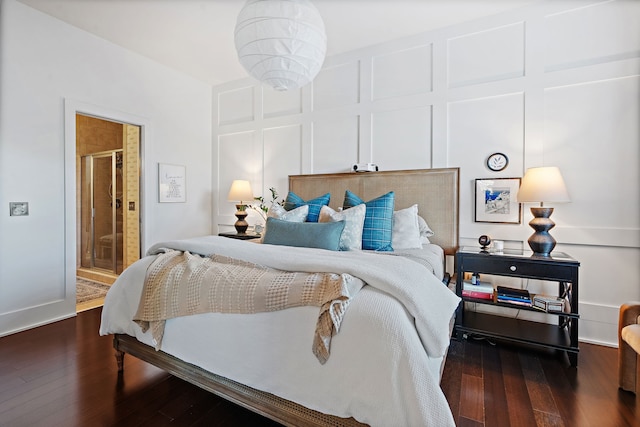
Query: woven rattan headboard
(436, 191)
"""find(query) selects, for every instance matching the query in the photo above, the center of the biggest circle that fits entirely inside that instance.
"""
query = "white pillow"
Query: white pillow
(406, 229)
(425, 230)
(298, 214)
(351, 237)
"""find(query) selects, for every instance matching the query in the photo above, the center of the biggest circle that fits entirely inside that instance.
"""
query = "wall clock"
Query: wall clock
(497, 161)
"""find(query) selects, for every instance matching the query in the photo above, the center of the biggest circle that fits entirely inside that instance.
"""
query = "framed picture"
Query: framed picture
(171, 183)
(496, 200)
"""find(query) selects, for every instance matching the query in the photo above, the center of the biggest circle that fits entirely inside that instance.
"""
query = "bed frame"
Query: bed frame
(281, 410)
(436, 191)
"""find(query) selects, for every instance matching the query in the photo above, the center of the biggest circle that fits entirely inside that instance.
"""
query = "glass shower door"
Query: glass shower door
(105, 245)
(101, 204)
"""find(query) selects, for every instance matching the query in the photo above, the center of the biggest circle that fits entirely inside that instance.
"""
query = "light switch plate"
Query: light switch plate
(18, 208)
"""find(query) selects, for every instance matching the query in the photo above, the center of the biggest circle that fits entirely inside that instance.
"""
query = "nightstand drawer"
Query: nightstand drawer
(519, 268)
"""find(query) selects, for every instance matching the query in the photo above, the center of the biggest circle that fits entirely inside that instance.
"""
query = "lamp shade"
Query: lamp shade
(281, 42)
(240, 191)
(543, 184)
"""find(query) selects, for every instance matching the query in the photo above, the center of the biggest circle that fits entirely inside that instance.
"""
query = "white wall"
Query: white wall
(46, 65)
(555, 83)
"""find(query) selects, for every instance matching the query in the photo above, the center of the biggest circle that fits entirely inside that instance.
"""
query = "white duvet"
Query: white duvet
(385, 362)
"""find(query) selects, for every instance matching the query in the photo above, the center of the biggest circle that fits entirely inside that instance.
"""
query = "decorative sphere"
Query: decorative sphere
(484, 240)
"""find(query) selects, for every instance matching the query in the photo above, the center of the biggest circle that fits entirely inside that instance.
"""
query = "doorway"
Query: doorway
(107, 198)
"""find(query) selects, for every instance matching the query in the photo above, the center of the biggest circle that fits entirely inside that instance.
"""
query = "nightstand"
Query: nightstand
(245, 236)
(558, 267)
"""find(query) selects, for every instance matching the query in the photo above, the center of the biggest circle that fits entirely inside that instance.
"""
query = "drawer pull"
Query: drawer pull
(512, 268)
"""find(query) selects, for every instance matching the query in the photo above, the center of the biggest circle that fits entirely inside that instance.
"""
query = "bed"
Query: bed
(385, 362)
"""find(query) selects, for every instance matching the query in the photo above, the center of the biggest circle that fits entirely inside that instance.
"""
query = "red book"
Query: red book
(476, 294)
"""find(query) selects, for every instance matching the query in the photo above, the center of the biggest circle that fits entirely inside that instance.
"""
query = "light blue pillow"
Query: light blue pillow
(325, 235)
(378, 221)
(293, 201)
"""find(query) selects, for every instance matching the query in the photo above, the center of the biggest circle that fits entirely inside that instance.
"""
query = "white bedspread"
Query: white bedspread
(384, 368)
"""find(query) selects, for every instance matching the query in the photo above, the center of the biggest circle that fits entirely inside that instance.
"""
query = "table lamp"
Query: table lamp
(240, 193)
(543, 184)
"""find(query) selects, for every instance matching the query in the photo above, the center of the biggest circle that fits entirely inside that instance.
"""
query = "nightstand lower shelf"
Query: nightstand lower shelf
(517, 330)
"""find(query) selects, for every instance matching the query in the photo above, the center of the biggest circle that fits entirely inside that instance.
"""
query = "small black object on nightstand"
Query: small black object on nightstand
(484, 241)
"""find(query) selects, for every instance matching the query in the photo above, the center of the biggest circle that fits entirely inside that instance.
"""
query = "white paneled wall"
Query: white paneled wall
(606, 147)
(236, 106)
(340, 86)
(476, 128)
(334, 139)
(467, 55)
(278, 104)
(408, 131)
(600, 33)
(554, 83)
(285, 139)
(403, 72)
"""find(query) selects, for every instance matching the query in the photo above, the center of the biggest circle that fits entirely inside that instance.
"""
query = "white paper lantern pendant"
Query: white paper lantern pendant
(281, 42)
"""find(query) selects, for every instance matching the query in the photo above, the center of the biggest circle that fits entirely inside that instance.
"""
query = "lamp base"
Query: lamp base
(541, 242)
(241, 225)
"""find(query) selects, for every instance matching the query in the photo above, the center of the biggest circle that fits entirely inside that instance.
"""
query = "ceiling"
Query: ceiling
(196, 36)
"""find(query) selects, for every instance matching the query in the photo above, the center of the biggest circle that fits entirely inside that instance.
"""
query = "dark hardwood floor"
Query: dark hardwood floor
(504, 385)
(64, 374)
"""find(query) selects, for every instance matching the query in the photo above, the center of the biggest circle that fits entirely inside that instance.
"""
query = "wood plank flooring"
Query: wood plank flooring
(64, 374)
(502, 385)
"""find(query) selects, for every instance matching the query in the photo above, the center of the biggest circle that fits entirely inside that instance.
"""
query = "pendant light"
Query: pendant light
(282, 43)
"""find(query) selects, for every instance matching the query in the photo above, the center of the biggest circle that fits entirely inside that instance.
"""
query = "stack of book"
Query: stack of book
(513, 296)
(548, 303)
(477, 291)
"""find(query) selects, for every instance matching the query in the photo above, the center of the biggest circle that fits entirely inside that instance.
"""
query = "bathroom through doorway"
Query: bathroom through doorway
(107, 197)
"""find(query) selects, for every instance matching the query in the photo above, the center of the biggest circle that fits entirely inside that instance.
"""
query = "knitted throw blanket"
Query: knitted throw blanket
(181, 284)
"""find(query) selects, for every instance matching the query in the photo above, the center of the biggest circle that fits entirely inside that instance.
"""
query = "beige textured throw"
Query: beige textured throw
(181, 284)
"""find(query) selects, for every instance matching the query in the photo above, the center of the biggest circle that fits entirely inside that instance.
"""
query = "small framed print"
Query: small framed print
(171, 183)
(496, 201)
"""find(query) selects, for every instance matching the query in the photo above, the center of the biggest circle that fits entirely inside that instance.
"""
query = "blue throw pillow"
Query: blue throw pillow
(378, 221)
(293, 201)
(321, 235)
